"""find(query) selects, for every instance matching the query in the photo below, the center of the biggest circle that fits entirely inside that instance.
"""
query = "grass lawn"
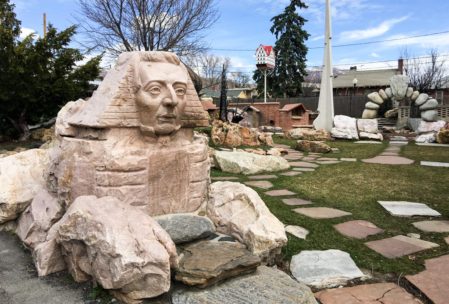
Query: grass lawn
(418, 153)
(356, 187)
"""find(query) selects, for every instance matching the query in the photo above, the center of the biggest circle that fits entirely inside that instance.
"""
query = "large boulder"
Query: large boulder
(22, 175)
(345, 127)
(117, 245)
(399, 85)
(238, 210)
(369, 114)
(234, 135)
(249, 163)
(309, 134)
(367, 125)
(37, 219)
(312, 146)
(425, 138)
(432, 126)
(376, 98)
(184, 228)
(429, 115)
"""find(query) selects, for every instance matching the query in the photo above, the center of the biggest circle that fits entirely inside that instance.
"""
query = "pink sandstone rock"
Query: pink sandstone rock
(117, 245)
(381, 293)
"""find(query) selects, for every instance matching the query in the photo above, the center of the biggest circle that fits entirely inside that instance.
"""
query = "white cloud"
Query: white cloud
(375, 55)
(316, 38)
(379, 30)
(24, 32)
(427, 42)
(341, 9)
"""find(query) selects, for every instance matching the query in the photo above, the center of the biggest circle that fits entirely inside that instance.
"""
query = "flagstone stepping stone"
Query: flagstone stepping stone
(326, 268)
(389, 160)
(266, 285)
(398, 138)
(433, 145)
(224, 178)
(335, 150)
(296, 202)
(358, 229)
(371, 142)
(280, 192)
(328, 162)
(291, 173)
(406, 209)
(434, 164)
(321, 212)
(393, 149)
(207, 262)
(309, 158)
(326, 158)
(432, 226)
(380, 293)
(262, 177)
(433, 281)
(303, 164)
(293, 157)
(281, 146)
(304, 169)
(399, 246)
(348, 159)
(260, 184)
(399, 143)
(298, 231)
(389, 154)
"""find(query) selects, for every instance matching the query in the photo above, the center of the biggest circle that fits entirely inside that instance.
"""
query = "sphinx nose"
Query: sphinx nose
(170, 100)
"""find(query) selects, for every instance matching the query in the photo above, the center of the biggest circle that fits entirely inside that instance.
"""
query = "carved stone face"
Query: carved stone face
(161, 98)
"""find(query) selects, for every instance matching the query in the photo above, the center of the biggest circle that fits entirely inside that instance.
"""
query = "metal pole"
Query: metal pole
(45, 25)
(265, 86)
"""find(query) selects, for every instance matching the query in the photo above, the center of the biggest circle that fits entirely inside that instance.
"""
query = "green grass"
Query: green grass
(356, 187)
(418, 153)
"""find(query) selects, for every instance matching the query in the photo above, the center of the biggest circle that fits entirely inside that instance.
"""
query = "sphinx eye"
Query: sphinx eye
(180, 91)
(155, 90)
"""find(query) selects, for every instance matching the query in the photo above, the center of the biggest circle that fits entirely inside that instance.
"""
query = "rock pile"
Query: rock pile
(427, 131)
(346, 127)
(233, 135)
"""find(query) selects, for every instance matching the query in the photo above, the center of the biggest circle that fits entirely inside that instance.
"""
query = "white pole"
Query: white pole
(326, 101)
(265, 85)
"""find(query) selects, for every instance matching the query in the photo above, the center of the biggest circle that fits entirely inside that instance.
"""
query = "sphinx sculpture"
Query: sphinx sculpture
(121, 159)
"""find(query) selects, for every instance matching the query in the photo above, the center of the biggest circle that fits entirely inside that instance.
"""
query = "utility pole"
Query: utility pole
(45, 25)
(325, 117)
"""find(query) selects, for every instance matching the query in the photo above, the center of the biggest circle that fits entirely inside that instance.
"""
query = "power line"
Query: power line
(348, 44)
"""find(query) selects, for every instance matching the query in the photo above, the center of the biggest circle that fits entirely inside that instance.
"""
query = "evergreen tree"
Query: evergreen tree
(290, 50)
(37, 76)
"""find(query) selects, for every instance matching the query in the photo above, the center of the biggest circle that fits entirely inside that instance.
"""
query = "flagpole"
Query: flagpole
(326, 101)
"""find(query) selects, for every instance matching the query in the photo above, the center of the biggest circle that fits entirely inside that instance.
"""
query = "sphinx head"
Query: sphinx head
(160, 93)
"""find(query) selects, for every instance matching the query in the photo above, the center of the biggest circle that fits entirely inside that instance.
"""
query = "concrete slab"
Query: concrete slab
(260, 184)
(434, 164)
(432, 226)
(380, 293)
(257, 177)
(321, 212)
(328, 162)
(224, 178)
(399, 246)
(303, 169)
(433, 281)
(281, 192)
(405, 209)
(298, 231)
(370, 142)
(389, 160)
(296, 202)
(19, 282)
(322, 269)
(432, 145)
(291, 173)
(348, 159)
(358, 229)
(303, 164)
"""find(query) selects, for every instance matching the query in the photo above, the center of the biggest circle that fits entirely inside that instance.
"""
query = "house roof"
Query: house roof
(208, 105)
(292, 106)
(369, 78)
(268, 49)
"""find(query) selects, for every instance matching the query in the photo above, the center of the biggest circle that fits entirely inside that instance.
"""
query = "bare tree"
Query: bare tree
(240, 79)
(209, 67)
(425, 73)
(131, 25)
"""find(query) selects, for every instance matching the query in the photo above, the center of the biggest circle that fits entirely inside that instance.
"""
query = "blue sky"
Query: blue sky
(244, 24)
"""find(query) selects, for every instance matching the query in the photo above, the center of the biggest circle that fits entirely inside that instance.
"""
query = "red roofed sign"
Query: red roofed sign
(265, 57)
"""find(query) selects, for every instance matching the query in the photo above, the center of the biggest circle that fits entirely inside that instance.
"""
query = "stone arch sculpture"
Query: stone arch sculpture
(398, 92)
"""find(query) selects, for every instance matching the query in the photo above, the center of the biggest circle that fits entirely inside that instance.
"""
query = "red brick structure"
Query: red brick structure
(270, 114)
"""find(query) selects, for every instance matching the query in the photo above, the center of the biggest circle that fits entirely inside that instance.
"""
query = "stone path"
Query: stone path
(434, 164)
(318, 271)
(390, 156)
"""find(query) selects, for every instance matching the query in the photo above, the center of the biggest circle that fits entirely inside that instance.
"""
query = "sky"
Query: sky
(368, 34)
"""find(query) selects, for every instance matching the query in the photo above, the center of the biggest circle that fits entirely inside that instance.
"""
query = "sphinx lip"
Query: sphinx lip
(166, 117)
